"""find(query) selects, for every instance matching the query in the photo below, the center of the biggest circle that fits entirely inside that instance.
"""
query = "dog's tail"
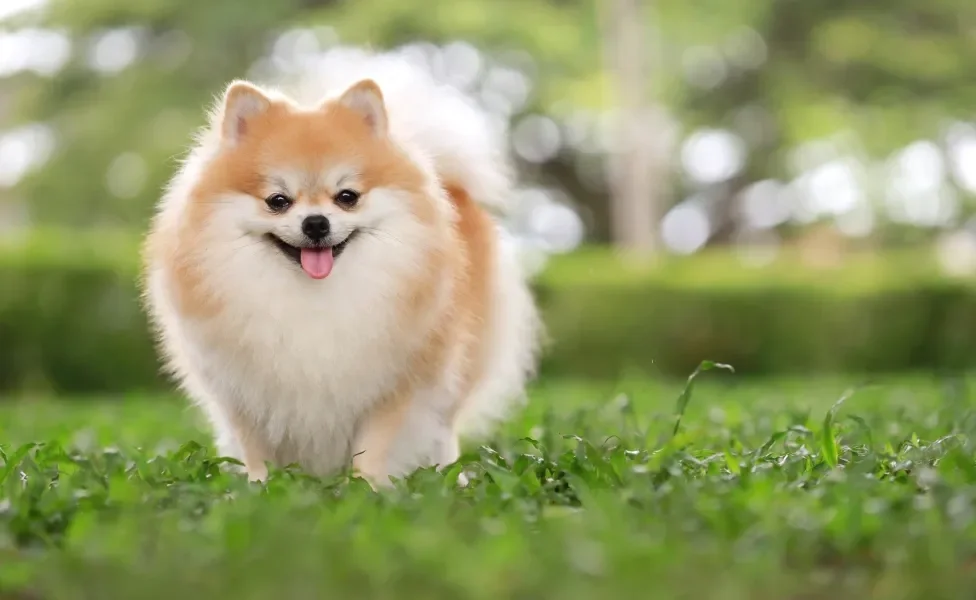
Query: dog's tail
(465, 145)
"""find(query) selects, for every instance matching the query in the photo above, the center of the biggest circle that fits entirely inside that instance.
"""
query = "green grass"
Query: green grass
(769, 489)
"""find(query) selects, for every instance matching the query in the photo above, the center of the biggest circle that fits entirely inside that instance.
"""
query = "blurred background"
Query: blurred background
(784, 185)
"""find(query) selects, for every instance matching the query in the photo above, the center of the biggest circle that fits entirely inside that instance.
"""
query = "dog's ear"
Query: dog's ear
(243, 102)
(366, 99)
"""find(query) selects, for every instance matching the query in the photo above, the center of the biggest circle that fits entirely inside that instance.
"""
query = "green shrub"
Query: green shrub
(872, 314)
(74, 329)
(70, 318)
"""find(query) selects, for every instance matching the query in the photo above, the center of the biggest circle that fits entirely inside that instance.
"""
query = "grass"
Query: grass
(763, 489)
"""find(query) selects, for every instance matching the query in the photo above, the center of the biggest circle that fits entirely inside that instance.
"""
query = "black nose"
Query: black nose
(316, 227)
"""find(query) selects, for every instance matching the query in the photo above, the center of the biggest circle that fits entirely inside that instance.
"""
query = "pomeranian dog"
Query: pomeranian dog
(327, 281)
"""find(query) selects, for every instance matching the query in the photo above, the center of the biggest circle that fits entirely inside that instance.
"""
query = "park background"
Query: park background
(795, 181)
(784, 186)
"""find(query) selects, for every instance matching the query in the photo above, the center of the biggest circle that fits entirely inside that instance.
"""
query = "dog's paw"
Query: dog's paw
(257, 473)
(376, 481)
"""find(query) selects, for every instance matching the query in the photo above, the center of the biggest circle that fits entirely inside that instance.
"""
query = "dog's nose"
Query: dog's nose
(316, 227)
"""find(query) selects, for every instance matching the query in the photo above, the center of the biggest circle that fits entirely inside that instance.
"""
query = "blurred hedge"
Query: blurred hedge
(870, 314)
(70, 318)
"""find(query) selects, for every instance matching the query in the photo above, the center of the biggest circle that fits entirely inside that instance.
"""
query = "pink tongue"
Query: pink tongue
(317, 262)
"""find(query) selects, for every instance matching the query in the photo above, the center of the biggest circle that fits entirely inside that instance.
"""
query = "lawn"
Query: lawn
(769, 489)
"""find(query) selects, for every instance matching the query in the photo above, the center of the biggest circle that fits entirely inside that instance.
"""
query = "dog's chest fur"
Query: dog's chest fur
(302, 359)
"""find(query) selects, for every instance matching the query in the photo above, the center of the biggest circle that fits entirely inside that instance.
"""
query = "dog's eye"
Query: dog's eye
(347, 198)
(278, 202)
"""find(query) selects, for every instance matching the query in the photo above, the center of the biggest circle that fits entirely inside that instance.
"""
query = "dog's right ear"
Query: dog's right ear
(243, 102)
(366, 100)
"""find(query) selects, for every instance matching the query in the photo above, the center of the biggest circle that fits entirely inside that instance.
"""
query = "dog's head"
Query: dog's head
(311, 185)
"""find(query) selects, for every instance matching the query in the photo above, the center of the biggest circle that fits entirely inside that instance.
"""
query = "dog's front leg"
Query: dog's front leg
(374, 440)
(399, 437)
(253, 449)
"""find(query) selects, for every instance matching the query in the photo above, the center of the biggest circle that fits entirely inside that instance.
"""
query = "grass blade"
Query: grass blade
(828, 441)
(682, 404)
(13, 460)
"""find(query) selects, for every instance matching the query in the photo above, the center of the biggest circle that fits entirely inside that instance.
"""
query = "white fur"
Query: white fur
(306, 359)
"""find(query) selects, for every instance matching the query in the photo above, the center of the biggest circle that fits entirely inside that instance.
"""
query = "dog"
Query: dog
(327, 281)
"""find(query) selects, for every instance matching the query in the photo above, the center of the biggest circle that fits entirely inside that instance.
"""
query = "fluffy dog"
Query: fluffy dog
(326, 282)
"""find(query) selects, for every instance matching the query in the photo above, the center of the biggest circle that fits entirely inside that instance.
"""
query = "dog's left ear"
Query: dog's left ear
(366, 99)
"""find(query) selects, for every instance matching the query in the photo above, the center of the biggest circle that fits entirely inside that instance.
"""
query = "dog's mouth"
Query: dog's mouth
(316, 260)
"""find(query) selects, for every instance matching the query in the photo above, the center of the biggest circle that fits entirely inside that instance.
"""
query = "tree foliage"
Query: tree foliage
(778, 72)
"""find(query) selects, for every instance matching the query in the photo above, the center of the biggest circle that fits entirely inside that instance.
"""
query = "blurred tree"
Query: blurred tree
(633, 202)
(776, 73)
(142, 73)
(780, 73)
(137, 83)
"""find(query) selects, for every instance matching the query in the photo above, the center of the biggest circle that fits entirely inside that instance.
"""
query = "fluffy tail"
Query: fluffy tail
(467, 148)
